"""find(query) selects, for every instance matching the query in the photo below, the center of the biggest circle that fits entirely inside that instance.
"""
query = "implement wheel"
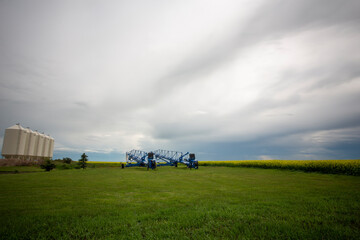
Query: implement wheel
(196, 164)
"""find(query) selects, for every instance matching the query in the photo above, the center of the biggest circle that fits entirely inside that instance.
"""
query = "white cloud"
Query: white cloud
(265, 157)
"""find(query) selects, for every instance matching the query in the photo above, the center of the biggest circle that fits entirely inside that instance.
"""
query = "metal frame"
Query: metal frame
(137, 156)
(158, 158)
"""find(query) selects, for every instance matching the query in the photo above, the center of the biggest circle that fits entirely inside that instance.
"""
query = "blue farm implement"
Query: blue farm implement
(138, 158)
(173, 158)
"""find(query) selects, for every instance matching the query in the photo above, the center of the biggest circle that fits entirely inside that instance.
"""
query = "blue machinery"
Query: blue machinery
(138, 158)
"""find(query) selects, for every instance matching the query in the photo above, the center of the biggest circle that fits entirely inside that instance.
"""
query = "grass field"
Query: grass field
(208, 203)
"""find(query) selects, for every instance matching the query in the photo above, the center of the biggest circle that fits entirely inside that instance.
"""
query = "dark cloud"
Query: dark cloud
(266, 82)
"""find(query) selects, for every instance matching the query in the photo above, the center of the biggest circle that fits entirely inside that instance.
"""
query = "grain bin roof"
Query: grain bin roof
(16, 126)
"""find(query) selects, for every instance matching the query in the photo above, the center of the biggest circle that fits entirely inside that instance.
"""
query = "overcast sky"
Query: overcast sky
(229, 79)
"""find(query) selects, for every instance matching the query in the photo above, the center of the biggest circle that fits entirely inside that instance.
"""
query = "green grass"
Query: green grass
(208, 203)
(105, 164)
(90, 164)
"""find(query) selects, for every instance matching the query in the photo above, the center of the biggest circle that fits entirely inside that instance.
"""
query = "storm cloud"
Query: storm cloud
(225, 79)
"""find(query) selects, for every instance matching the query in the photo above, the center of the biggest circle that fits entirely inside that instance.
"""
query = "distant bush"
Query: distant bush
(65, 166)
(67, 160)
(349, 167)
(48, 165)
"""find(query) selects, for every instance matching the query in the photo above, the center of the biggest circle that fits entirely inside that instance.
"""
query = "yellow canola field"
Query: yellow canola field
(350, 167)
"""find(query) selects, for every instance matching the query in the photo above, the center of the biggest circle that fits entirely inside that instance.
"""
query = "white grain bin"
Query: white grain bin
(51, 147)
(46, 146)
(37, 139)
(27, 138)
(14, 142)
(40, 145)
(31, 144)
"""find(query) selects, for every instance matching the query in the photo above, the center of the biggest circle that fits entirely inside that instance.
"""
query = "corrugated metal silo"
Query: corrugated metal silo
(22, 141)
(27, 138)
(37, 138)
(46, 146)
(51, 147)
(31, 146)
(40, 145)
(14, 142)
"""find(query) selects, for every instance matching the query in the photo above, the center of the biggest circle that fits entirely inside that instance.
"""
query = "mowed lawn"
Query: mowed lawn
(208, 203)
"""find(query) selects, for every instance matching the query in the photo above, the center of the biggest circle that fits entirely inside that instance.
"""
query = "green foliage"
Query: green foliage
(104, 164)
(48, 165)
(349, 167)
(176, 203)
(83, 160)
(64, 166)
(67, 160)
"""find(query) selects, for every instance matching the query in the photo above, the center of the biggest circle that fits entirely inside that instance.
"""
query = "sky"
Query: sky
(227, 80)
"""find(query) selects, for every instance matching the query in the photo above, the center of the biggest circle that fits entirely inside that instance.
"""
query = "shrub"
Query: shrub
(64, 166)
(67, 160)
(48, 165)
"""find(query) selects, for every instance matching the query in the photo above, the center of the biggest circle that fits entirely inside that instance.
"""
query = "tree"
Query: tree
(48, 165)
(83, 160)
(67, 160)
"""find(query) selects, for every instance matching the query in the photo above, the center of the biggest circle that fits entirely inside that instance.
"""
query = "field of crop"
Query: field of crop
(179, 203)
(349, 167)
